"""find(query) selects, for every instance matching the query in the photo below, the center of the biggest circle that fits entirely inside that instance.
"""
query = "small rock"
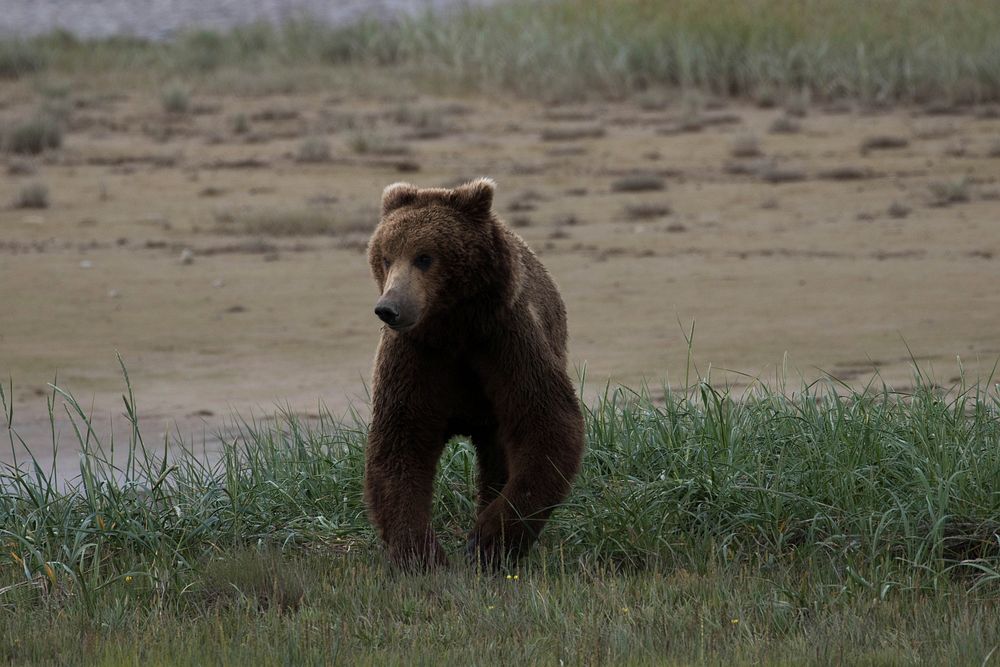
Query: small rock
(86, 264)
(113, 294)
(187, 256)
(218, 283)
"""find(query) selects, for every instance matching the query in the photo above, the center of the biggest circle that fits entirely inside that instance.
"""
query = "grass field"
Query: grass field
(820, 526)
(915, 50)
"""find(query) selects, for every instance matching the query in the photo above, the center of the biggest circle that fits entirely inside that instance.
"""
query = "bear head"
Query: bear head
(435, 248)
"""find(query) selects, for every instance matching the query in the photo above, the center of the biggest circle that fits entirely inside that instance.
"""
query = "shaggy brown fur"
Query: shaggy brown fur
(475, 344)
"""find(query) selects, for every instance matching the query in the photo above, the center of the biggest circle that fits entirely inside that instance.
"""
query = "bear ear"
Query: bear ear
(475, 198)
(397, 195)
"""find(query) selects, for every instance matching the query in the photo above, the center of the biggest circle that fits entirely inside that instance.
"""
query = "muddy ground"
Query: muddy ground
(220, 250)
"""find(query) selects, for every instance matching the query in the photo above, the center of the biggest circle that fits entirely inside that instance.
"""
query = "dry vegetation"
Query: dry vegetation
(33, 195)
(777, 51)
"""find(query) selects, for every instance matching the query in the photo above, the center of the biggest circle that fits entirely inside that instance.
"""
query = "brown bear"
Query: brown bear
(474, 344)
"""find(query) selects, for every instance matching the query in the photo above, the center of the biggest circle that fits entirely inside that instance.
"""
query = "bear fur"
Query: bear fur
(474, 345)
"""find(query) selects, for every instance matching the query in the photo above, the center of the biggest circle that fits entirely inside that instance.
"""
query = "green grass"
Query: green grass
(827, 526)
(356, 612)
(913, 50)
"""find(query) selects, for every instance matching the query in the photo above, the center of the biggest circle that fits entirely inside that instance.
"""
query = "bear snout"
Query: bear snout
(387, 312)
(397, 311)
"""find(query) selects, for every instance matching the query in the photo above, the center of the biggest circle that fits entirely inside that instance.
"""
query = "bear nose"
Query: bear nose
(387, 314)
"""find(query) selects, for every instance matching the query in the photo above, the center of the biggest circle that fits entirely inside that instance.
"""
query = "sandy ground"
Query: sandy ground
(846, 264)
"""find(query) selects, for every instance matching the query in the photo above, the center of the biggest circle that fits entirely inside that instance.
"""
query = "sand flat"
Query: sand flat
(815, 257)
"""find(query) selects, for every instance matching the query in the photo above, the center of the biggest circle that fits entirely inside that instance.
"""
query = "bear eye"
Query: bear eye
(423, 262)
(386, 263)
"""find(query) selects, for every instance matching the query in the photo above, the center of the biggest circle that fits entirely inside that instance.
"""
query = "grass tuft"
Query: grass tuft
(19, 58)
(647, 211)
(775, 173)
(33, 195)
(313, 150)
(370, 143)
(945, 193)
(175, 99)
(746, 145)
(898, 210)
(639, 183)
(785, 125)
(846, 172)
(33, 136)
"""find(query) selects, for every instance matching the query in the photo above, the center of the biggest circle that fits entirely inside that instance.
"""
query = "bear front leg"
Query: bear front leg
(543, 455)
(399, 484)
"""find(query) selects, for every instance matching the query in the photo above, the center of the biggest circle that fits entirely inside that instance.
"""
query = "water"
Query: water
(159, 19)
